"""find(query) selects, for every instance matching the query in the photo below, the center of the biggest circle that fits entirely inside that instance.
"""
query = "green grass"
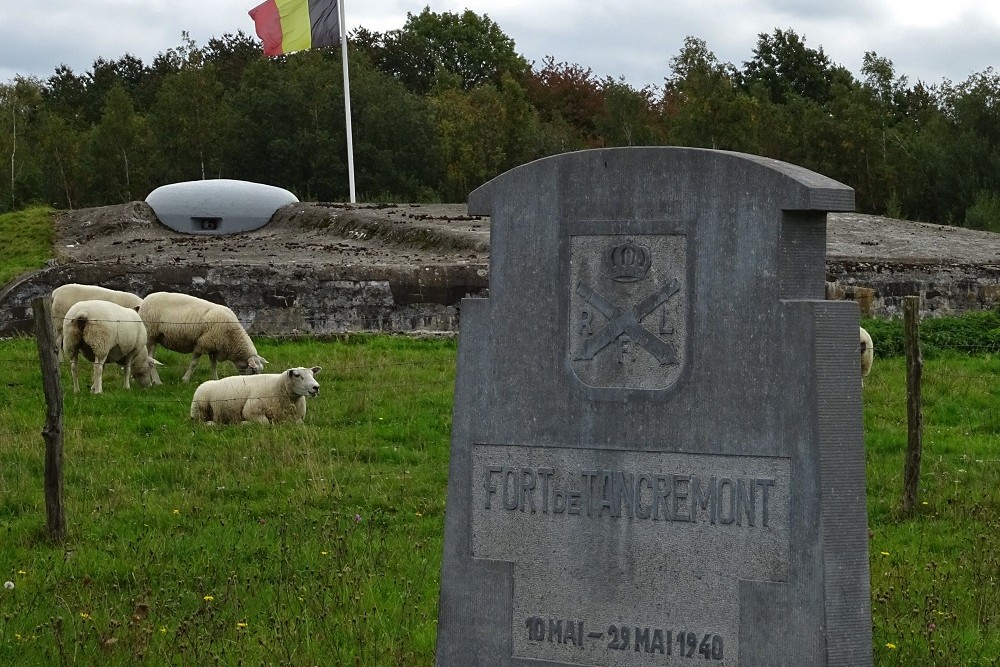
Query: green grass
(934, 576)
(27, 241)
(302, 544)
(321, 543)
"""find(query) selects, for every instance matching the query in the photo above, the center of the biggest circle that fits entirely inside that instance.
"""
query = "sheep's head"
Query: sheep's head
(252, 366)
(302, 381)
(145, 373)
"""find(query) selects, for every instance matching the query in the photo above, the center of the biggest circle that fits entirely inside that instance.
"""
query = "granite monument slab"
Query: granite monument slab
(657, 449)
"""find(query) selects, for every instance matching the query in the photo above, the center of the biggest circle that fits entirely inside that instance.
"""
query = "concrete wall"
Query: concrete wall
(411, 299)
(393, 299)
(945, 289)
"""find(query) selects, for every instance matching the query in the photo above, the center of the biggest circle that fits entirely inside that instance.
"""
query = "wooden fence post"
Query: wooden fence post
(914, 413)
(53, 430)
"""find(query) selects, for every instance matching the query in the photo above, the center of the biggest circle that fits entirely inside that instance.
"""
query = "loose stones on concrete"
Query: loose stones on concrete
(657, 449)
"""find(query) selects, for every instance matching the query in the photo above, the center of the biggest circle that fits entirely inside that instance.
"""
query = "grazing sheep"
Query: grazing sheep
(867, 349)
(66, 295)
(185, 323)
(104, 331)
(267, 398)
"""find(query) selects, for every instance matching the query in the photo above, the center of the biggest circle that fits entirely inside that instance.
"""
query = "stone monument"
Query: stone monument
(657, 450)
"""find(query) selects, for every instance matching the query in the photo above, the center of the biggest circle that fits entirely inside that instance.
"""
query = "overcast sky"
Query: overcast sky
(927, 40)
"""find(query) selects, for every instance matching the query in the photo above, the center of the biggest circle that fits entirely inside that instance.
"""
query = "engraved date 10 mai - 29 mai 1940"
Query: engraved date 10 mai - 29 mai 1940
(620, 637)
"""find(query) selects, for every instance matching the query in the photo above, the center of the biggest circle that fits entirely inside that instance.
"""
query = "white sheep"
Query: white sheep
(64, 296)
(867, 349)
(104, 331)
(185, 323)
(265, 399)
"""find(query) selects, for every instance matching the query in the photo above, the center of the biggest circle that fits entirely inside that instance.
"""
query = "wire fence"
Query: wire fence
(354, 378)
(933, 344)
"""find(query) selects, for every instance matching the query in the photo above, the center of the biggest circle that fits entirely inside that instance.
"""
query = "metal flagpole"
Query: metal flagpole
(347, 101)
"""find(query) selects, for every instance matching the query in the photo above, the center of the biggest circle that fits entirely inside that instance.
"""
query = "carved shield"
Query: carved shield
(628, 310)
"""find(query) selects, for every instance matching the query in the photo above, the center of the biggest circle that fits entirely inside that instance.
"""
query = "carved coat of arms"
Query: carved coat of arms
(628, 310)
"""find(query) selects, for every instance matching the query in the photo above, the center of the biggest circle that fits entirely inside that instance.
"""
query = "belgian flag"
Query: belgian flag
(293, 25)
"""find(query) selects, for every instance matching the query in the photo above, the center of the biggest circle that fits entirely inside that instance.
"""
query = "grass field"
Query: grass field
(305, 544)
(321, 543)
(934, 577)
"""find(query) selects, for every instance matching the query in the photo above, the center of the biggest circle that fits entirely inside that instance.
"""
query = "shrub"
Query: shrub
(972, 333)
(985, 212)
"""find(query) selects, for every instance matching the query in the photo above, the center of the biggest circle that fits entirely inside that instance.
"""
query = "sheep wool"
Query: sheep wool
(265, 399)
(104, 331)
(66, 295)
(867, 352)
(185, 323)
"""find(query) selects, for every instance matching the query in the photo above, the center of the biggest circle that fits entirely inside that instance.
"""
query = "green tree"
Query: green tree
(231, 55)
(117, 162)
(60, 145)
(20, 104)
(970, 159)
(468, 45)
(785, 66)
(702, 103)
(290, 120)
(395, 146)
(629, 117)
(193, 125)
(470, 135)
(66, 94)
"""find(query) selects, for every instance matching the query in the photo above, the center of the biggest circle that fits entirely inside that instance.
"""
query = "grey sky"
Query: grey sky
(926, 40)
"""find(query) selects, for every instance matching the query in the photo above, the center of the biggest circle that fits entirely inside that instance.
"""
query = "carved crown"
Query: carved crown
(627, 262)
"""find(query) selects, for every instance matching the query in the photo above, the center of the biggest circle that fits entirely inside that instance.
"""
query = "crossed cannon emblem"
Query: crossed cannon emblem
(628, 322)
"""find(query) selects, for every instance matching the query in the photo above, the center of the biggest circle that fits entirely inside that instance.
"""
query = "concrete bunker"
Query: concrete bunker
(217, 206)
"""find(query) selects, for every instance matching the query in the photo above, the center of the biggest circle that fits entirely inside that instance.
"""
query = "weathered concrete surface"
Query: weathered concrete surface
(331, 268)
(315, 268)
(878, 261)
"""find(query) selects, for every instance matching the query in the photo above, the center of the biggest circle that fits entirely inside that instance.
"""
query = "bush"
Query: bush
(973, 333)
(985, 212)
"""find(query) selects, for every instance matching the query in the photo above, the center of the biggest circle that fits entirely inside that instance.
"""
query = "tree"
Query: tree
(290, 120)
(115, 142)
(702, 103)
(193, 125)
(567, 92)
(468, 45)
(629, 117)
(971, 162)
(469, 128)
(61, 149)
(20, 103)
(230, 55)
(785, 66)
(128, 73)
(66, 94)
(395, 146)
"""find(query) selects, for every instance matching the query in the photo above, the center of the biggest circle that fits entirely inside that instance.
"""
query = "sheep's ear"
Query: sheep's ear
(316, 369)
(291, 372)
(156, 363)
(136, 308)
(263, 360)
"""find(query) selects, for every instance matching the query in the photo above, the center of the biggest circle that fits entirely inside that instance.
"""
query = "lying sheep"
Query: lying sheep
(185, 323)
(867, 349)
(267, 398)
(66, 295)
(104, 331)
